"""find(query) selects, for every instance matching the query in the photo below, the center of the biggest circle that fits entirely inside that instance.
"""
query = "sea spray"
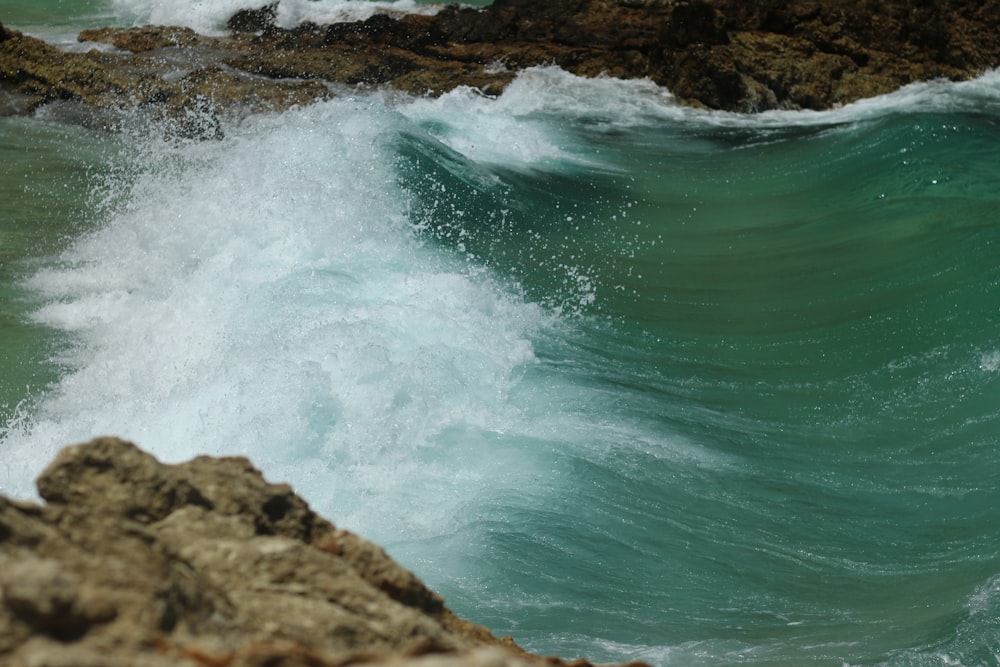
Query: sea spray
(210, 16)
(266, 296)
(761, 430)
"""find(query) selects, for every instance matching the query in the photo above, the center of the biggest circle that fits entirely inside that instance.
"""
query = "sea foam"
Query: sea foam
(209, 16)
(266, 296)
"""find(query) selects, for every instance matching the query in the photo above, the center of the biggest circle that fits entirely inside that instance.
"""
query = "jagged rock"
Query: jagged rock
(171, 73)
(253, 20)
(40, 72)
(133, 562)
(724, 54)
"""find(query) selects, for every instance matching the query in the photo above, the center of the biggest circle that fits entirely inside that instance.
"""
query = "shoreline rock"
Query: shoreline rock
(721, 54)
(135, 562)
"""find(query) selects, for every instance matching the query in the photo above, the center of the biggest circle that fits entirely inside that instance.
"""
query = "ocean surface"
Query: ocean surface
(618, 378)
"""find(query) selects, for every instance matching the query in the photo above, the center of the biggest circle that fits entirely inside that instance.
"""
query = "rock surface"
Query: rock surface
(724, 54)
(132, 562)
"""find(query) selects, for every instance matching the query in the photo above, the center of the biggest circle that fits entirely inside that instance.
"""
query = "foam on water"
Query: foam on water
(270, 295)
(614, 488)
(513, 129)
(614, 102)
(976, 639)
(266, 296)
(210, 16)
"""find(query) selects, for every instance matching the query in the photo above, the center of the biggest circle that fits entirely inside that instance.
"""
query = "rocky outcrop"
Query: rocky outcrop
(132, 562)
(169, 72)
(816, 54)
(725, 54)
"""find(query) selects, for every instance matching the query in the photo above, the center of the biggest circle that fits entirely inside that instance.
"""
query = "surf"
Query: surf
(618, 377)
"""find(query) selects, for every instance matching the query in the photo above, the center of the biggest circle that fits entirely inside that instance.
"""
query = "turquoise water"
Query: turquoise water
(56, 20)
(619, 378)
(50, 175)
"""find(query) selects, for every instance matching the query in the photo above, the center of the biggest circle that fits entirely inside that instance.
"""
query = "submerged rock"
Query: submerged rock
(723, 54)
(134, 562)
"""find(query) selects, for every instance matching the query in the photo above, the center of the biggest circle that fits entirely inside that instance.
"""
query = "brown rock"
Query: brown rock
(141, 40)
(41, 72)
(820, 53)
(173, 74)
(725, 54)
(132, 562)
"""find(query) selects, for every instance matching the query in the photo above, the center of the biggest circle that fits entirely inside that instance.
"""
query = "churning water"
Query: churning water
(617, 377)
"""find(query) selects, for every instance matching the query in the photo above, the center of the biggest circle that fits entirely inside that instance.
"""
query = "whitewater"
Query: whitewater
(618, 377)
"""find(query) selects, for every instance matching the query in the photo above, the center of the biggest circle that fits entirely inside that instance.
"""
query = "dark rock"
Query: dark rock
(724, 54)
(695, 22)
(253, 20)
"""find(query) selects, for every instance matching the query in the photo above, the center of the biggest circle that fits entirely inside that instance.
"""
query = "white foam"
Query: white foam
(516, 129)
(265, 296)
(990, 361)
(484, 131)
(209, 16)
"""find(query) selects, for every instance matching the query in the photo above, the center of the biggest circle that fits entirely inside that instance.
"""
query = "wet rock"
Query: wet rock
(691, 23)
(38, 72)
(723, 54)
(253, 20)
(141, 40)
(169, 73)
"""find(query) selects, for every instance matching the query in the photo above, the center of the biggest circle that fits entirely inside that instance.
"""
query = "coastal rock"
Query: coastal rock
(141, 40)
(168, 73)
(41, 72)
(253, 20)
(722, 54)
(135, 562)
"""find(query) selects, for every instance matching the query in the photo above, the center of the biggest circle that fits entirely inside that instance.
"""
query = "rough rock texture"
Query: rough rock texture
(739, 55)
(819, 53)
(168, 72)
(135, 563)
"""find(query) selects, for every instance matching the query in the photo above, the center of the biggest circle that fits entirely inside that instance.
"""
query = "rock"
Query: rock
(723, 54)
(52, 600)
(134, 562)
(168, 73)
(40, 72)
(141, 40)
(695, 22)
(253, 20)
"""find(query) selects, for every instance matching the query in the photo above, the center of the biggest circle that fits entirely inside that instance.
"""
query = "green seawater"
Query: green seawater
(48, 178)
(55, 16)
(618, 379)
(799, 326)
